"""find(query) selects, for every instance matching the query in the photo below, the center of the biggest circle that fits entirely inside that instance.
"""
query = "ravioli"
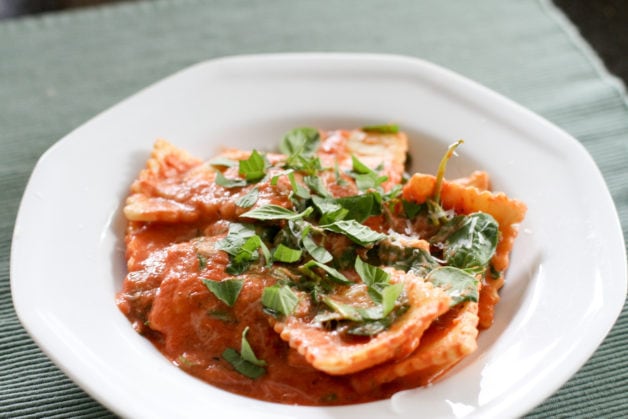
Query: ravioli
(319, 275)
(329, 351)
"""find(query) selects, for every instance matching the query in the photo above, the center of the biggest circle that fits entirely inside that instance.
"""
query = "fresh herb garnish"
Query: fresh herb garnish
(275, 212)
(318, 253)
(317, 186)
(468, 241)
(365, 177)
(221, 180)
(226, 290)
(249, 199)
(411, 209)
(245, 362)
(358, 233)
(360, 207)
(460, 285)
(382, 129)
(286, 254)
(242, 244)
(223, 162)
(279, 300)
(300, 141)
(330, 273)
(254, 168)
(202, 261)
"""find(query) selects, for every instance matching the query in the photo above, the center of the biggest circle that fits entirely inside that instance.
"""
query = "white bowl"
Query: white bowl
(564, 289)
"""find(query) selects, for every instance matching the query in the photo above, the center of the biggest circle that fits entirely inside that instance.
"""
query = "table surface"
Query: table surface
(58, 70)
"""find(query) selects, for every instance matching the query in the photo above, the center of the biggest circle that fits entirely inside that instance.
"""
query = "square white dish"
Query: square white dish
(564, 289)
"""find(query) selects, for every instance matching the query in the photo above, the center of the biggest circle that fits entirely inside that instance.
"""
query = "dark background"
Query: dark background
(603, 23)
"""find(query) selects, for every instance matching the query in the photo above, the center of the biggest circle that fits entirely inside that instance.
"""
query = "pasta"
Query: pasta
(321, 274)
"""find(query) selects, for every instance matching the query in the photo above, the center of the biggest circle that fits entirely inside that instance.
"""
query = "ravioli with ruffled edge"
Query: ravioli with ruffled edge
(319, 274)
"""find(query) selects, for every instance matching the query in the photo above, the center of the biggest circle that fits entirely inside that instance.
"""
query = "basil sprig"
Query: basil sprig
(468, 241)
(245, 362)
(279, 300)
(226, 290)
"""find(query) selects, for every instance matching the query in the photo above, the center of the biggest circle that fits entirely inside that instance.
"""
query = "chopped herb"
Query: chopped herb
(247, 352)
(248, 200)
(411, 209)
(460, 285)
(223, 162)
(300, 141)
(370, 274)
(241, 244)
(238, 234)
(254, 168)
(468, 241)
(318, 253)
(297, 188)
(275, 212)
(390, 294)
(202, 261)
(241, 261)
(330, 272)
(360, 207)
(183, 361)
(357, 232)
(245, 362)
(223, 315)
(221, 180)
(286, 254)
(226, 290)
(316, 184)
(382, 129)
(365, 177)
(279, 300)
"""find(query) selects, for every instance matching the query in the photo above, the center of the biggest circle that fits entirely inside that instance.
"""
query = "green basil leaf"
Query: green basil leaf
(359, 167)
(254, 168)
(244, 367)
(247, 352)
(233, 242)
(345, 311)
(248, 200)
(300, 141)
(382, 129)
(370, 328)
(460, 285)
(226, 290)
(202, 261)
(241, 261)
(325, 205)
(275, 212)
(279, 300)
(360, 207)
(297, 188)
(332, 273)
(286, 254)
(223, 162)
(318, 253)
(411, 209)
(316, 184)
(468, 241)
(390, 294)
(358, 233)
(368, 181)
(370, 274)
(221, 180)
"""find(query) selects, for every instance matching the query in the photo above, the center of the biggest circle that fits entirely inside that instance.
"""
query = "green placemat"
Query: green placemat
(58, 70)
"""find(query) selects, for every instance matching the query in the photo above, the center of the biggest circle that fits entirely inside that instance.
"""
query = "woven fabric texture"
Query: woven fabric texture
(59, 70)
